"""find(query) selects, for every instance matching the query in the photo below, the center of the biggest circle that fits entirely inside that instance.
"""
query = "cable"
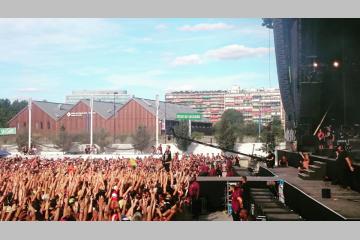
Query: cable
(213, 146)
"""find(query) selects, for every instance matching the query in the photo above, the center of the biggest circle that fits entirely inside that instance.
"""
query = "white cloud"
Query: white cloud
(236, 52)
(206, 27)
(40, 41)
(186, 60)
(29, 89)
(230, 52)
(161, 27)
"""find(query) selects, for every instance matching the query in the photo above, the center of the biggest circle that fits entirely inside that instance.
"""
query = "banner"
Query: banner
(7, 131)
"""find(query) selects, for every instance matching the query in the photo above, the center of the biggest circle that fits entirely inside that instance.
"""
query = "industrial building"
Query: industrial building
(48, 117)
(117, 96)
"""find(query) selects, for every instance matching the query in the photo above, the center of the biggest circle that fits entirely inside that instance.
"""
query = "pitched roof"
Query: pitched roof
(170, 109)
(54, 110)
(105, 109)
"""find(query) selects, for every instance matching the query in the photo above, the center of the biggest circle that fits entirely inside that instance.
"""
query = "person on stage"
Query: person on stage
(304, 162)
(321, 139)
(167, 159)
(345, 168)
(270, 160)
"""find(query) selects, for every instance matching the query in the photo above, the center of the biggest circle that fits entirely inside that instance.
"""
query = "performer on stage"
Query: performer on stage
(270, 160)
(321, 139)
(167, 159)
(345, 169)
(305, 162)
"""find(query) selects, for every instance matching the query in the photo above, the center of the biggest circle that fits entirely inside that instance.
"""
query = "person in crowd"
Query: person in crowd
(345, 168)
(212, 171)
(167, 158)
(283, 161)
(304, 162)
(236, 202)
(244, 215)
(204, 169)
(218, 170)
(194, 192)
(245, 192)
(270, 160)
(160, 150)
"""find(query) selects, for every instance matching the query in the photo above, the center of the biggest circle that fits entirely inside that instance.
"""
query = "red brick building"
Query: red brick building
(49, 117)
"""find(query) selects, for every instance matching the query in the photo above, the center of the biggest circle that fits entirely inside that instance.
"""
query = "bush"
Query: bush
(141, 139)
(64, 140)
(197, 135)
(101, 138)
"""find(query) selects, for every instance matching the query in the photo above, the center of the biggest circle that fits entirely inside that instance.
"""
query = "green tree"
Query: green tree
(197, 135)
(272, 134)
(8, 110)
(101, 138)
(63, 140)
(122, 138)
(182, 130)
(141, 139)
(228, 129)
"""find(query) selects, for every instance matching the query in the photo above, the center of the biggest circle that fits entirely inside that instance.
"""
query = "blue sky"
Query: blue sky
(48, 58)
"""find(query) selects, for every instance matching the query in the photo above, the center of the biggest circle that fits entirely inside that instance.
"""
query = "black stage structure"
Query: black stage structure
(318, 65)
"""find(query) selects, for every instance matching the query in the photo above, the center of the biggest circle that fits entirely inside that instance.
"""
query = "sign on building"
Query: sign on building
(78, 114)
(7, 131)
(188, 116)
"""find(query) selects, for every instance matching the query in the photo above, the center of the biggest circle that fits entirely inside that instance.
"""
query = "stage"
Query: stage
(343, 202)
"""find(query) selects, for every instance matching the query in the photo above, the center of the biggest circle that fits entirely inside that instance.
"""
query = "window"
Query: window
(41, 125)
(48, 125)
(37, 125)
(24, 124)
(18, 125)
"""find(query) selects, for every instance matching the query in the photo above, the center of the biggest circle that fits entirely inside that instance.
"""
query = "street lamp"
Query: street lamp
(114, 118)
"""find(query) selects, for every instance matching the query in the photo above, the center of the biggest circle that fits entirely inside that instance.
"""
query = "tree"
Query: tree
(197, 135)
(182, 130)
(141, 139)
(22, 139)
(272, 134)
(228, 129)
(64, 140)
(122, 138)
(101, 138)
(8, 110)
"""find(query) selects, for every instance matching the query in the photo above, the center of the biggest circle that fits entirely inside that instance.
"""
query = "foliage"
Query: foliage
(83, 138)
(141, 139)
(228, 129)
(272, 134)
(64, 140)
(22, 139)
(101, 138)
(197, 135)
(182, 130)
(122, 138)
(9, 109)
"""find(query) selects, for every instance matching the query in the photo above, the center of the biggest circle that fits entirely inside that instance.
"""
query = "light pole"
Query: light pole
(114, 118)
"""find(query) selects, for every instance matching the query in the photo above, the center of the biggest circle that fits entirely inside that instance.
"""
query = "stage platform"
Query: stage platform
(343, 202)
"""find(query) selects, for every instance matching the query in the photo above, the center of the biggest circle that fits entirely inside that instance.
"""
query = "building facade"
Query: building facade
(209, 103)
(116, 119)
(255, 104)
(120, 96)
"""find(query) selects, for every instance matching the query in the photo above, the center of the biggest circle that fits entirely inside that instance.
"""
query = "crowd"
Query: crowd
(117, 189)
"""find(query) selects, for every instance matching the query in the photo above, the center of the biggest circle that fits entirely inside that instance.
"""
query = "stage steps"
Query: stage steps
(316, 171)
(266, 206)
